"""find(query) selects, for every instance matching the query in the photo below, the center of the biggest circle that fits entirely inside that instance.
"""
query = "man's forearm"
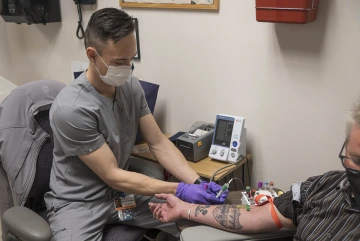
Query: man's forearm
(137, 183)
(104, 164)
(173, 161)
(230, 218)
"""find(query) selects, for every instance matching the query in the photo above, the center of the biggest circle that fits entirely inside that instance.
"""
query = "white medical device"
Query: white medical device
(229, 139)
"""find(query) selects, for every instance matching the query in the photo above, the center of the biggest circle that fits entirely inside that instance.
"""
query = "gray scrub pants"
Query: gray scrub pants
(86, 220)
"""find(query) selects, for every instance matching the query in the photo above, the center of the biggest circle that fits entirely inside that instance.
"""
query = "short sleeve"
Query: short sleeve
(291, 203)
(75, 130)
(144, 108)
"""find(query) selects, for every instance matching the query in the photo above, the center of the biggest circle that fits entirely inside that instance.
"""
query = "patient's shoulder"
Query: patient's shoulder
(324, 183)
(332, 177)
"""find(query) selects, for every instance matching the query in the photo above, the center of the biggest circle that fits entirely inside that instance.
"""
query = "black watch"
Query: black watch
(198, 181)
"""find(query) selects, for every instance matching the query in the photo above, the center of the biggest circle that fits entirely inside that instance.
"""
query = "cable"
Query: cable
(80, 29)
(232, 176)
(212, 177)
(247, 164)
(235, 178)
(114, 100)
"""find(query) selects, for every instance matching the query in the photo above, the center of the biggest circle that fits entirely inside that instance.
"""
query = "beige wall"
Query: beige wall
(293, 83)
(5, 57)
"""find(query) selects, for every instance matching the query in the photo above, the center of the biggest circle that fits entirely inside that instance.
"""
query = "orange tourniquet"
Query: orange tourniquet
(273, 211)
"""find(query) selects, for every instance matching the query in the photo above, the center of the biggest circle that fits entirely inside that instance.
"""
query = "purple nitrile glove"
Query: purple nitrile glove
(197, 193)
(215, 188)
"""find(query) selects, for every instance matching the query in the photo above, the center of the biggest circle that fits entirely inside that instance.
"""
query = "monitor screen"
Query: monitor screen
(223, 132)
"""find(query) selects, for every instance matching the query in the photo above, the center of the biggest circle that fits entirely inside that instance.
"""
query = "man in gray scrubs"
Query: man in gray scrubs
(95, 120)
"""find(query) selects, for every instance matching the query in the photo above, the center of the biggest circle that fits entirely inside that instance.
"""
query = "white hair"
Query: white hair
(353, 119)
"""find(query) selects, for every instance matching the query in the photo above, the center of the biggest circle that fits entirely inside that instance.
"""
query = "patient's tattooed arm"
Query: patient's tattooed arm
(228, 216)
(233, 218)
(201, 209)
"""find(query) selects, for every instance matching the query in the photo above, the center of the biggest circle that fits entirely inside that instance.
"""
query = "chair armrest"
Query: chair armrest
(26, 224)
(212, 234)
(145, 167)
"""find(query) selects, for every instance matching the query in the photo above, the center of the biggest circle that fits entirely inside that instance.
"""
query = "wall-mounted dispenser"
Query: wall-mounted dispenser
(286, 11)
(30, 11)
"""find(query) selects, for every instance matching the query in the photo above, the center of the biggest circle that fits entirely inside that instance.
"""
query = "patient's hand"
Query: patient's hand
(172, 210)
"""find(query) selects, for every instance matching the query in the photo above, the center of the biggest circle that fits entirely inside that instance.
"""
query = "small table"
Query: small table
(205, 168)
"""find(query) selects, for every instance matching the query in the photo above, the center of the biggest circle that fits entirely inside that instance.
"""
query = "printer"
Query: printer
(196, 143)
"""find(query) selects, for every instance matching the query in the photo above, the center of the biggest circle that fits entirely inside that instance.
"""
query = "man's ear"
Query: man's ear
(91, 53)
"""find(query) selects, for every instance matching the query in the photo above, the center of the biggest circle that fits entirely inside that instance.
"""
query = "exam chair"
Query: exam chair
(29, 222)
(212, 234)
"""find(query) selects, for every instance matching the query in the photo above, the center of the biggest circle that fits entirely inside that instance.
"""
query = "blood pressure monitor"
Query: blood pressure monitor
(229, 139)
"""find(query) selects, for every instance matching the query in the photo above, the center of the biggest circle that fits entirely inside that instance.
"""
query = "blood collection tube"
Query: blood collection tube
(271, 187)
(253, 191)
(266, 185)
(248, 190)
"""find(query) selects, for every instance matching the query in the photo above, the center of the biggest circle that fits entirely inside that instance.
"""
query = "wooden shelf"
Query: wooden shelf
(205, 168)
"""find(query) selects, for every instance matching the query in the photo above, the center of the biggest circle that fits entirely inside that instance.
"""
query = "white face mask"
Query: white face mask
(115, 76)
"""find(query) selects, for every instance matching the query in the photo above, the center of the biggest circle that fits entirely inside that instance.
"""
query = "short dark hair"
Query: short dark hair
(107, 24)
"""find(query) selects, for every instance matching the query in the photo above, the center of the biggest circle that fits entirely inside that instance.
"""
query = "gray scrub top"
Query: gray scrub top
(82, 120)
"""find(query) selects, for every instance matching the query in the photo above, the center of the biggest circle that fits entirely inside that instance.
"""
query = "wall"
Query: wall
(5, 58)
(293, 83)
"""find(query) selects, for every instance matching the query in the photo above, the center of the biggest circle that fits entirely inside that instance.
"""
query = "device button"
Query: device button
(233, 149)
(214, 151)
(222, 153)
(233, 155)
(235, 144)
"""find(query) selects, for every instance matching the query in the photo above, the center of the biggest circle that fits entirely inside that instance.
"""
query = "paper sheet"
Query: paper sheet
(200, 132)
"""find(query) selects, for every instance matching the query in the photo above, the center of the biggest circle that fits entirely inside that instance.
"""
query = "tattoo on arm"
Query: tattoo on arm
(202, 210)
(228, 216)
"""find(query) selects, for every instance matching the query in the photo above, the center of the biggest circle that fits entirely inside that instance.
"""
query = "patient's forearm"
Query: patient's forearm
(230, 218)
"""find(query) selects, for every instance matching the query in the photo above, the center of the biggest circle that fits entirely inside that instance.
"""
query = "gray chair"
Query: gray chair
(30, 222)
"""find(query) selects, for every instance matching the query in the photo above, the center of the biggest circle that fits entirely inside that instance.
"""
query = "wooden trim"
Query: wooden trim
(215, 6)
